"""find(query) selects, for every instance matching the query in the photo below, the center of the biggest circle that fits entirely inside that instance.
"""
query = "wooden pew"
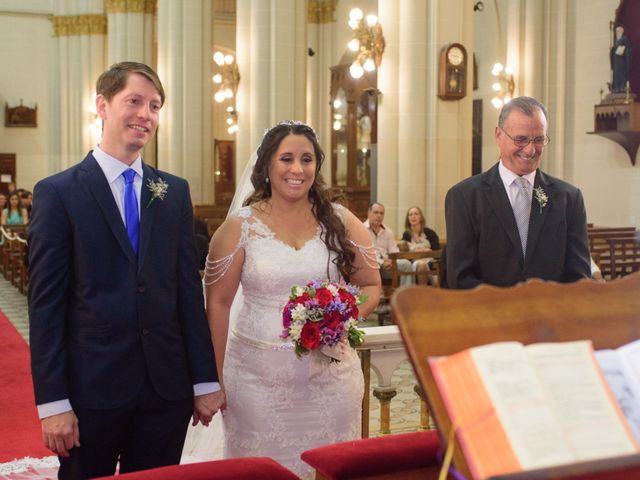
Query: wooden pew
(624, 255)
(599, 246)
(213, 215)
(412, 256)
(436, 322)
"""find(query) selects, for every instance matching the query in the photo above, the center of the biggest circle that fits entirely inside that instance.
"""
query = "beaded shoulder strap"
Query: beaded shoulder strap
(368, 252)
(214, 270)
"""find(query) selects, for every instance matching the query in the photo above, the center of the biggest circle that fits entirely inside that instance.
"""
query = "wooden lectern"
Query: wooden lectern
(435, 322)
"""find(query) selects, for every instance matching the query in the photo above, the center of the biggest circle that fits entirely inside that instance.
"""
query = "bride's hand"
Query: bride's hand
(206, 406)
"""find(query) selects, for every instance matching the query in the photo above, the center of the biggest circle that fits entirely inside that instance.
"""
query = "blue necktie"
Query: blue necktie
(131, 209)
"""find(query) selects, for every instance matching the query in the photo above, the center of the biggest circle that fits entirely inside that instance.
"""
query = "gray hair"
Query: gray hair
(526, 105)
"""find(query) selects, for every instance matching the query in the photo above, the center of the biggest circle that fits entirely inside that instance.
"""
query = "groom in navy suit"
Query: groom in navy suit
(121, 352)
(515, 222)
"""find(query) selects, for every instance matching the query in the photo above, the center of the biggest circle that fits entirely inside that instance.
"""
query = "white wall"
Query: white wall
(602, 168)
(25, 59)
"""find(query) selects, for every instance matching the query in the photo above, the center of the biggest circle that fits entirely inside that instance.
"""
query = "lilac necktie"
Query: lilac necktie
(521, 210)
(131, 209)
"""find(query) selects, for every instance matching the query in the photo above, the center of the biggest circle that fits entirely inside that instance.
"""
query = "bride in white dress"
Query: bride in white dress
(288, 234)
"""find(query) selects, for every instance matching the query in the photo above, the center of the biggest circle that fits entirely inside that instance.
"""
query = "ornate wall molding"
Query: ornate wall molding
(131, 6)
(67, 25)
(321, 11)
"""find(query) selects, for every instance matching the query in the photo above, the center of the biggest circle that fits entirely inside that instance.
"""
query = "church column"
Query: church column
(321, 26)
(271, 42)
(412, 107)
(185, 138)
(79, 52)
(388, 111)
(537, 43)
(424, 143)
(131, 38)
(555, 89)
(131, 29)
(449, 123)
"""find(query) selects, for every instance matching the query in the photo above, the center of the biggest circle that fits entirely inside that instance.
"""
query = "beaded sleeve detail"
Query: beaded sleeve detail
(214, 270)
(368, 253)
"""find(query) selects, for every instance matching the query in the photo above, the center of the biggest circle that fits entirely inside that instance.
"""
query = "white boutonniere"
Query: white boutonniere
(541, 197)
(158, 190)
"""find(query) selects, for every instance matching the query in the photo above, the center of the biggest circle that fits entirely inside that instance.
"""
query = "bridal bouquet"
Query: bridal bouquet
(321, 315)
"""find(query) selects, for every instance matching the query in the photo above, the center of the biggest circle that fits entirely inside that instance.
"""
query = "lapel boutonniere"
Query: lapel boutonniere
(541, 197)
(158, 189)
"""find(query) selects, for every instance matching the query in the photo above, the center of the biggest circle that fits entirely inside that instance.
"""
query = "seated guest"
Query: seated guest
(14, 213)
(26, 197)
(420, 239)
(596, 273)
(385, 243)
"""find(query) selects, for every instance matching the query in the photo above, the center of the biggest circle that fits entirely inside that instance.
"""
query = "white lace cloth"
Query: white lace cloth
(30, 468)
(278, 405)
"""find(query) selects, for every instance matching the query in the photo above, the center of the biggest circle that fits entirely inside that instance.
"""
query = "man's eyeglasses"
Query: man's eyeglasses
(522, 141)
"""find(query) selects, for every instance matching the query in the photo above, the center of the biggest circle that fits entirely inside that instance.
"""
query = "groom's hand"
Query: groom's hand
(60, 433)
(206, 406)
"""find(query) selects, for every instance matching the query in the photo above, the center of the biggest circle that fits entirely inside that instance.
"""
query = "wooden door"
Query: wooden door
(7, 171)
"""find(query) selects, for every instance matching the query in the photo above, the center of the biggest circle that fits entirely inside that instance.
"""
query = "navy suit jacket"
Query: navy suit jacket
(483, 245)
(100, 318)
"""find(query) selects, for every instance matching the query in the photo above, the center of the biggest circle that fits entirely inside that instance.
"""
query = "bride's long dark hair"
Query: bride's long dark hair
(334, 233)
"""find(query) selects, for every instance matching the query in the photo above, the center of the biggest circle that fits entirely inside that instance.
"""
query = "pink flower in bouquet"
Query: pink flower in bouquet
(322, 314)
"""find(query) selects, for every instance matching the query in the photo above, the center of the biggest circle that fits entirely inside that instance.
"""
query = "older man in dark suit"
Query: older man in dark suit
(515, 222)
(121, 352)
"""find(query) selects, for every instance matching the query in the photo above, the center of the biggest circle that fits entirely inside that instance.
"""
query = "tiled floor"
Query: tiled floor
(14, 305)
(405, 407)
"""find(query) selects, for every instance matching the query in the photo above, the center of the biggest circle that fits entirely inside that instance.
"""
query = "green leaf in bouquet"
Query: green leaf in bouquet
(355, 336)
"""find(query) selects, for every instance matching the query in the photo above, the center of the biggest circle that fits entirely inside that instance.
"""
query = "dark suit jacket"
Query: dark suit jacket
(483, 245)
(431, 235)
(100, 318)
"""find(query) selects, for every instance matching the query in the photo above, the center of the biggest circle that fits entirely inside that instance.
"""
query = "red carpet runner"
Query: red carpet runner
(20, 434)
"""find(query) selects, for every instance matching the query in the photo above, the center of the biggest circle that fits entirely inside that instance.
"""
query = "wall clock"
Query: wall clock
(453, 72)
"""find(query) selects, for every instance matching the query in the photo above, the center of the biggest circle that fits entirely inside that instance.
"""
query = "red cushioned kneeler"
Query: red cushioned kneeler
(405, 455)
(250, 468)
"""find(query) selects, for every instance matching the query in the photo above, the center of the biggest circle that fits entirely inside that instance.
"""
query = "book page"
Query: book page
(586, 410)
(521, 404)
(629, 403)
(629, 355)
(478, 431)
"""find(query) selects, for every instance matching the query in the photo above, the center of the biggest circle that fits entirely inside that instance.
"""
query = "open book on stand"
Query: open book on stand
(621, 368)
(516, 408)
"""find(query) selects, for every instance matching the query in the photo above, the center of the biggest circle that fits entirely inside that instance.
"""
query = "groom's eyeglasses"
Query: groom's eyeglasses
(521, 141)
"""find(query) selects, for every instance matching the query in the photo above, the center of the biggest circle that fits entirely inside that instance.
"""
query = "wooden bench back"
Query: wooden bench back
(412, 256)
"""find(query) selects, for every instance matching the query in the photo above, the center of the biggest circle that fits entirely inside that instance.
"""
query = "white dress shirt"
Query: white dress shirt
(508, 179)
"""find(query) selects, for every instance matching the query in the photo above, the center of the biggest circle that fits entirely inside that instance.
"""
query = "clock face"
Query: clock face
(455, 56)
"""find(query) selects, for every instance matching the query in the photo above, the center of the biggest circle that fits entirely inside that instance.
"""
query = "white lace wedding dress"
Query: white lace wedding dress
(277, 404)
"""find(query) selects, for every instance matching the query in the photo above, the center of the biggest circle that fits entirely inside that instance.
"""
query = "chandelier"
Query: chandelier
(367, 40)
(503, 85)
(232, 120)
(227, 77)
